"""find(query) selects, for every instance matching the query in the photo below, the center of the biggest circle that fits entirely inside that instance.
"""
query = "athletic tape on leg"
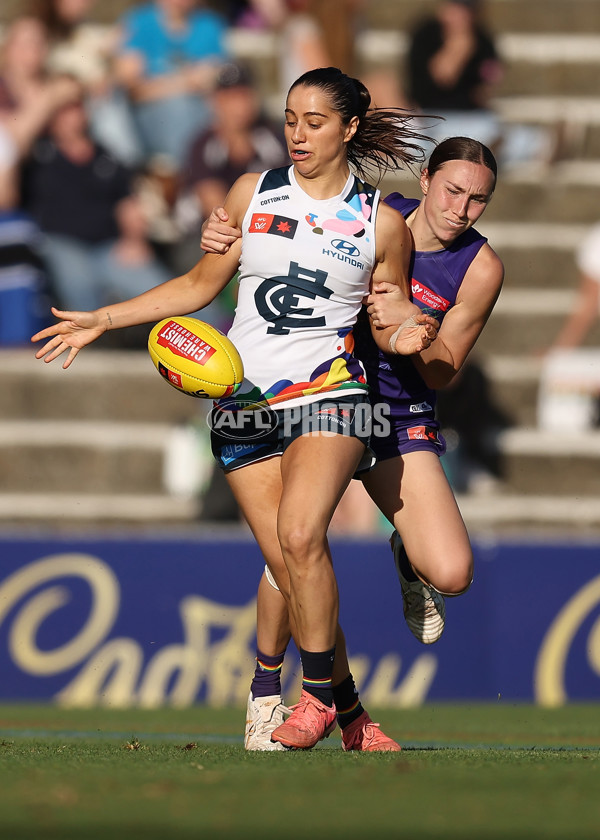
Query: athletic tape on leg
(270, 578)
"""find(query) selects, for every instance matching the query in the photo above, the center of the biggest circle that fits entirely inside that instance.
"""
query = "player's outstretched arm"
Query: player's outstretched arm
(72, 332)
(179, 296)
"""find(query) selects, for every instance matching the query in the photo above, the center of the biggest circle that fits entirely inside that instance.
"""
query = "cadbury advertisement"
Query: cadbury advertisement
(159, 621)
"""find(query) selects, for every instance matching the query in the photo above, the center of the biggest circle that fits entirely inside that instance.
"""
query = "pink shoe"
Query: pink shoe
(309, 723)
(366, 736)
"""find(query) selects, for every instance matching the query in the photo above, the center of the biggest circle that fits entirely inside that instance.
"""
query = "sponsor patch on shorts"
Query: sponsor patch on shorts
(231, 452)
(423, 433)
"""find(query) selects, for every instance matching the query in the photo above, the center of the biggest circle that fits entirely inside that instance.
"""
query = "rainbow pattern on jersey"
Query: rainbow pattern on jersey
(337, 374)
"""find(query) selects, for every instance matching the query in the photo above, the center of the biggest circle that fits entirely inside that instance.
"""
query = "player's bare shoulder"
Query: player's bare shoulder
(483, 280)
(239, 196)
(391, 232)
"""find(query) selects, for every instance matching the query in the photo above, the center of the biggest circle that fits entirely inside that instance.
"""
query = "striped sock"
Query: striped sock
(267, 676)
(347, 702)
(316, 674)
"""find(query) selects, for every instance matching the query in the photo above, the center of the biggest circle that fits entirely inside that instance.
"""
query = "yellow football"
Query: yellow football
(195, 357)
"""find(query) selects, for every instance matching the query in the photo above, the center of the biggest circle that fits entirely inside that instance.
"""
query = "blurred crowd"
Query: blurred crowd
(114, 139)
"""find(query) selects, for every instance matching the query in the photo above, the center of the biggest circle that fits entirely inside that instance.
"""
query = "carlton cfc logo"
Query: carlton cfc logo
(346, 247)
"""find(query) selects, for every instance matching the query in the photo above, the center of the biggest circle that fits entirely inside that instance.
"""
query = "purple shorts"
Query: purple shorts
(412, 434)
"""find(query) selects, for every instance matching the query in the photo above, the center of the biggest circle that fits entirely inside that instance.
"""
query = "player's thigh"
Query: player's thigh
(412, 491)
(315, 471)
(257, 490)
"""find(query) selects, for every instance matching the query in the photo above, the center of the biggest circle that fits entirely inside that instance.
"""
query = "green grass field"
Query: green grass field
(477, 771)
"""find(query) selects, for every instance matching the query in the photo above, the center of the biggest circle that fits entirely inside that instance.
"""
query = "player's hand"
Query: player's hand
(388, 305)
(416, 334)
(217, 234)
(72, 332)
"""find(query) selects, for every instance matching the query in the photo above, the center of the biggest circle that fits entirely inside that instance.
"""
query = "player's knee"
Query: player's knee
(299, 544)
(454, 581)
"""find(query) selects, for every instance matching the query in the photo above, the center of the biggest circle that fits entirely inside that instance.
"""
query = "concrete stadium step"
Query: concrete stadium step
(43, 456)
(61, 510)
(526, 321)
(542, 462)
(539, 47)
(514, 383)
(486, 514)
(552, 108)
(524, 332)
(100, 385)
(538, 515)
(540, 302)
(537, 268)
(536, 255)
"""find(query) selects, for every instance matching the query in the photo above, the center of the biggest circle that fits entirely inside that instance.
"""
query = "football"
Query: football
(195, 357)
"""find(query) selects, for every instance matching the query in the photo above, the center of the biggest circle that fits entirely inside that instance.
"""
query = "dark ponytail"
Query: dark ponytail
(385, 138)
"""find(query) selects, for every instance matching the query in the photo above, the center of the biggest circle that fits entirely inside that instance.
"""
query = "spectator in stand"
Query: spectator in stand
(301, 37)
(84, 49)
(22, 279)
(586, 310)
(453, 69)
(84, 203)
(569, 385)
(240, 140)
(301, 40)
(339, 20)
(8, 170)
(168, 62)
(29, 95)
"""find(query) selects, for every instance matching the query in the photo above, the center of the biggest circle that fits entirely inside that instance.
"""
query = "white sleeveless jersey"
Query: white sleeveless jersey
(305, 268)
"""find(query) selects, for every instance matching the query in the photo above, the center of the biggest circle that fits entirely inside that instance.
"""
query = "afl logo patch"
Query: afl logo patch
(277, 225)
(346, 247)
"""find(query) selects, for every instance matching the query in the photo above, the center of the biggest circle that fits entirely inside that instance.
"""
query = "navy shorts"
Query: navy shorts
(243, 437)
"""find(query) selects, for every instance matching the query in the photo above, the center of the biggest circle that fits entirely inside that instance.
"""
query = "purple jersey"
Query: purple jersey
(435, 280)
